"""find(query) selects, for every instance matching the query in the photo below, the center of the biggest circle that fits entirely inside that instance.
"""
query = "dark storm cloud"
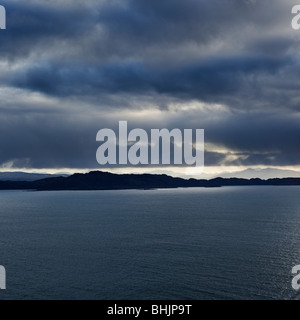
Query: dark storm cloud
(52, 142)
(264, 139)
(73, 68)
(62, 141)
(210, 81)
(34, 28)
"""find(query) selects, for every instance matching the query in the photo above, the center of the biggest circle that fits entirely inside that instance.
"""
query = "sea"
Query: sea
(171, 244)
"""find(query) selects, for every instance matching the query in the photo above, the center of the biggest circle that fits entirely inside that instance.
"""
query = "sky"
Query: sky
(70, 68)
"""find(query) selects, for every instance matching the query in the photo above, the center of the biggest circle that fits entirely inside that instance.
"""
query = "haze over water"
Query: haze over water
(220, 243)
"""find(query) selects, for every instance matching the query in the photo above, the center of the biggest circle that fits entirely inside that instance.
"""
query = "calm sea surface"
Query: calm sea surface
(223, 243)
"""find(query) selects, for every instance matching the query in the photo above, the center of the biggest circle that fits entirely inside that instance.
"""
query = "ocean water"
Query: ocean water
(223, 243)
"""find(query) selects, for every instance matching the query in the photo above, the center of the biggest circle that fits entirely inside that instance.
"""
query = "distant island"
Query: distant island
(98, 180)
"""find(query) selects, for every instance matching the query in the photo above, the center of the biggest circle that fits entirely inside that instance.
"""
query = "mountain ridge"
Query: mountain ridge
(24, 176)
(100, 180)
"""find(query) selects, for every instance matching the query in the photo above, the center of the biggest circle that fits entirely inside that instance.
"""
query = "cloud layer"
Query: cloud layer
(228, 66)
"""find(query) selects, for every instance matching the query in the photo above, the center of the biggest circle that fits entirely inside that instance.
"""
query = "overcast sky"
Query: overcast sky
(70, 68)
